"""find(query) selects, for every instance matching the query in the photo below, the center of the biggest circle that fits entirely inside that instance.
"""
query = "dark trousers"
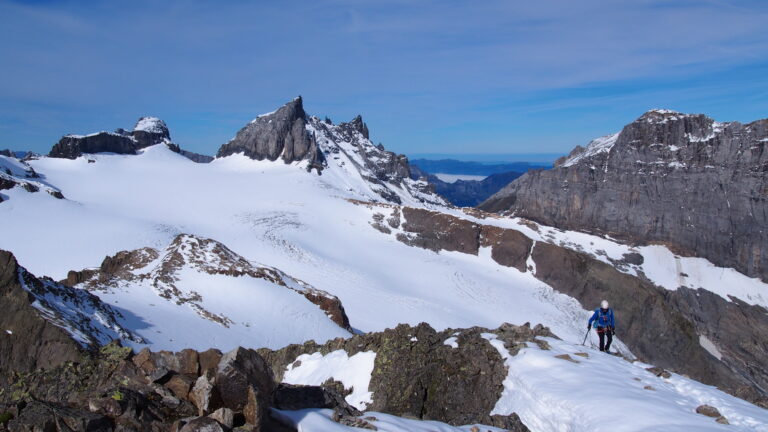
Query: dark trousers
(602, 333)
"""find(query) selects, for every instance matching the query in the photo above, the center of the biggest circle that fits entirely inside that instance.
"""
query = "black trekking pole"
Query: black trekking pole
(585, 337)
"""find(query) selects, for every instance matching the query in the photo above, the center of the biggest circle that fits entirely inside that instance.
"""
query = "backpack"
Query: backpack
(603, 319)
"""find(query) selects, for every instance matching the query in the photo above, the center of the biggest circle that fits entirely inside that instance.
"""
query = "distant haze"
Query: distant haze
(493, 158)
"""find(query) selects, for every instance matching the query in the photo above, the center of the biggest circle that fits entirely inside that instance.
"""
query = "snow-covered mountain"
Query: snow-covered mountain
(359, 229)
(218, 297)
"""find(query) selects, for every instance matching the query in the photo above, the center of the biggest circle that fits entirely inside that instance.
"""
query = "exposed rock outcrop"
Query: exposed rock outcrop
(661, 327)
(45, 324)
(190, 253)
(417, 375)
(73, 146)
(280, 134)
(684, 180)
(148, 131)
(15, 172)
(293, 136)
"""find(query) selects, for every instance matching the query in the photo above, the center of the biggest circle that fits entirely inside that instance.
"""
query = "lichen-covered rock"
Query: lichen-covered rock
(225, 416)
(417, 375)
(50, 417)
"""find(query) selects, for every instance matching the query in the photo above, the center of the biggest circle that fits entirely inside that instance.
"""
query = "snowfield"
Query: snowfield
(310, 228)
(583, 392)
(603, 392)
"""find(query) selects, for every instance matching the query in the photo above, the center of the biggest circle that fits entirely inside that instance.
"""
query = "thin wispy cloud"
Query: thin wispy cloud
(427, 75)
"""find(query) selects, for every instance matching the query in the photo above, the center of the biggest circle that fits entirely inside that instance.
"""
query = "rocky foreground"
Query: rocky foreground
(50, 381)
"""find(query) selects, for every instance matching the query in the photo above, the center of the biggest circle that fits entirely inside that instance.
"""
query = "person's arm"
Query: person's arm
(594, 317)
(613, 322)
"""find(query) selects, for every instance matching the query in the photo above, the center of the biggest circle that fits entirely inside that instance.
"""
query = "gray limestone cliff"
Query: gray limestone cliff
(687, 181)
(280, 134)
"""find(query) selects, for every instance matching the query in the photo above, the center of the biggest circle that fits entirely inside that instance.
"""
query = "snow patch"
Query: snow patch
(710, 347)
(150, 124)
(320, 420)
(600, 145)
(551, 394)
(451, 342)
(353, 372)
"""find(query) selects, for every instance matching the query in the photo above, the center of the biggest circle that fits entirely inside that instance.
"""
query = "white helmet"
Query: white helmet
(604, 304)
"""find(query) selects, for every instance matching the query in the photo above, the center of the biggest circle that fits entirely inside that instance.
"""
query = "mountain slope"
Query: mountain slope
(684, 180)
(388, 264)
(45, 323)
(197, 293)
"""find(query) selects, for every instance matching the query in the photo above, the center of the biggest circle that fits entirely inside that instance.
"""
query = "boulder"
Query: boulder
(708, 410)
(245, 383)
(225, 416)
(203, 424)
(209, 360)
(205, 395)
(180, 385)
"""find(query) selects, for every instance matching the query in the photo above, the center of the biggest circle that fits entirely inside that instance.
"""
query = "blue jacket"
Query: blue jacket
(603, 319)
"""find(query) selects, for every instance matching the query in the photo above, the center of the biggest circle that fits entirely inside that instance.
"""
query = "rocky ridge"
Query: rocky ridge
(683, 180)
(293, 136)
(15, 172)
(163, 271)
(148, 131)
(44, 322)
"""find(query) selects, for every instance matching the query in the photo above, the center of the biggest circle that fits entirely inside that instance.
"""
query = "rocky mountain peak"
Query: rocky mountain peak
(152, 125)
(279, 134)
(360, 126)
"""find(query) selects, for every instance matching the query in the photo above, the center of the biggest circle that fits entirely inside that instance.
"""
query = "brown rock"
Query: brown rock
(225, 416)
(189, 362)
(567, 357)
(245, 383)
(205, 395)
(209, 360)
(203, 424)
(180, 386)
(659, 372)
(708, 411)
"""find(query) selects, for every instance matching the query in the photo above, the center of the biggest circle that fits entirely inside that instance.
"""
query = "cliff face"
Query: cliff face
(147, 132)
(280, 134)
(684, 180)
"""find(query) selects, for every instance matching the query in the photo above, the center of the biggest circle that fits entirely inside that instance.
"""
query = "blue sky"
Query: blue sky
(445, 77)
